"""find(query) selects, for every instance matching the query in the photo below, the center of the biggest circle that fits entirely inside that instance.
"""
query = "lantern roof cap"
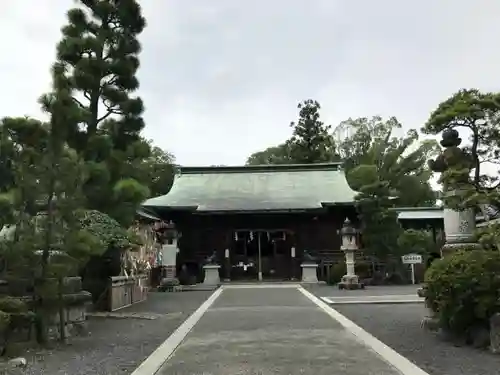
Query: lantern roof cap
(347, 228)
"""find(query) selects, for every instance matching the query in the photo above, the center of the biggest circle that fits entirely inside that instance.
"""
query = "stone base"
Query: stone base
(169, 285)
(451, 248)
(350, 283)
(421, 292)
(309, 273)
(211, 274)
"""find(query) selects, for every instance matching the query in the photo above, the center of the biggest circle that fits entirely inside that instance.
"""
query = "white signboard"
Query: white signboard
(412, 259)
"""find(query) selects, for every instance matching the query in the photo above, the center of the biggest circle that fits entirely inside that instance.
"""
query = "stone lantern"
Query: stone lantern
(169, 247)
(349, 236)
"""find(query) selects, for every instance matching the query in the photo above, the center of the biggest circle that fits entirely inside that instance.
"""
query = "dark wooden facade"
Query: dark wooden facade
(241, 234)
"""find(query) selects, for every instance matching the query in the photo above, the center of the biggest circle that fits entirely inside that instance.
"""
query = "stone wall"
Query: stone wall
(76, 303)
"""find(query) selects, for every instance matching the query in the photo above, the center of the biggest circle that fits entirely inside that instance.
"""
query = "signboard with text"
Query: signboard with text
(412, 259)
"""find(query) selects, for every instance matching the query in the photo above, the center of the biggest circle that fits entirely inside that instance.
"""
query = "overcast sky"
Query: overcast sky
(221, 78)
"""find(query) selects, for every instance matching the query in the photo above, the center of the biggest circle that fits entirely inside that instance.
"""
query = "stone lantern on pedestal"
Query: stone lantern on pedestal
(349, 245)
(169, 248)
(459, 224)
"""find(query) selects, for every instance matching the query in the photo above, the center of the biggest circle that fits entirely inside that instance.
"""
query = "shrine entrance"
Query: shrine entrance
(261, 255)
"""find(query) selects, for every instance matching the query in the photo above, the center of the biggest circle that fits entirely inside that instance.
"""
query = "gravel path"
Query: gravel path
(118, 346)
(399, 327)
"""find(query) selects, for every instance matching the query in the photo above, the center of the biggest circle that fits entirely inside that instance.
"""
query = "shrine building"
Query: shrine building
(257, 221)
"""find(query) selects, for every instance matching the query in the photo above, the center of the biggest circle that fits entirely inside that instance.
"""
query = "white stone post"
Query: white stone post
(459, 227)
(349, 262)
(169, 251)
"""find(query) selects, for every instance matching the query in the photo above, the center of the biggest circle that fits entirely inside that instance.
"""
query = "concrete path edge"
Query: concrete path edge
(155, 360)
(402, 364)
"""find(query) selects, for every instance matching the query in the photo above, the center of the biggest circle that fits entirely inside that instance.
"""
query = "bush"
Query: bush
(13, 305)
(337, 270)
(363, 270)
(463, 289)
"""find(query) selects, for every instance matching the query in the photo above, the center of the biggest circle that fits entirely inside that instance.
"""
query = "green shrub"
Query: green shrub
(463, 289)
(337, 270)
(363, 269)
(13, 305)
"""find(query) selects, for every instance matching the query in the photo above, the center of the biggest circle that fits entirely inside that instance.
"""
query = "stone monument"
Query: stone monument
(455, 165)
(211, 269)
(309, 268)
(349, 245)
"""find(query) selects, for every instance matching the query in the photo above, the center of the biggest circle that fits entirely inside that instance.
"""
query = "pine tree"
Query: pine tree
(311, 141)
(99, 51)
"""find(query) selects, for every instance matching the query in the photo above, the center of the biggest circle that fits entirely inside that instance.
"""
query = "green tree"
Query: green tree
(379, 223)
(477, 113)
(272, 155)
(311, 141)
(387, 171)
(398, 161)
(417, 242)
(99, 54)
(160, 171)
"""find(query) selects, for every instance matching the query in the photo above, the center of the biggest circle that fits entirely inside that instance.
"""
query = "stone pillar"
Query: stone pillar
(349, 262)
(459, 227)
(169, 259)
(169, 250)
(309, 272)
(211, 274)
(227, 268)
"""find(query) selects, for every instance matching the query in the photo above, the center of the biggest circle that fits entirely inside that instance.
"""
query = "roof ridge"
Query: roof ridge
(334, 166)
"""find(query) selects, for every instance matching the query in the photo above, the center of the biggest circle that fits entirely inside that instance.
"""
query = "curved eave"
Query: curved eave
(262, 211)
(155, 208)
(336, 204)
(147, 214)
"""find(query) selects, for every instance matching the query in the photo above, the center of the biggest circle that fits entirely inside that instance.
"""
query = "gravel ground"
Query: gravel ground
(399, 327)
(118, 346)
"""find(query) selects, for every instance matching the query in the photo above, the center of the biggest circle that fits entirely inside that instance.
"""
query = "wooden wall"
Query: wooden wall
(204, 233)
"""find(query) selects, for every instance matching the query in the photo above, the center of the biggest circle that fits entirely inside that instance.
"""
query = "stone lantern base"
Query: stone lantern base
(350, 282)
(211, 274)
(309, 273)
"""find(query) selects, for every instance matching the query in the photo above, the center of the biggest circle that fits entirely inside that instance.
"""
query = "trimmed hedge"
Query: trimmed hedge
(463, 289)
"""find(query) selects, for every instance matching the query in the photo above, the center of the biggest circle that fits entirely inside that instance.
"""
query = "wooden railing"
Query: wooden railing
(124, 291)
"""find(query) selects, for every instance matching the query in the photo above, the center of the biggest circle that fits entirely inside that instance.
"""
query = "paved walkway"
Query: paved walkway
(272, 330)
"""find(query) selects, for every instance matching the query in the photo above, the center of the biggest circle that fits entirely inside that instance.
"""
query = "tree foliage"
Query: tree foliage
(417, 242)
(98, 55)
(478, 114)
(386, 172)
(311, 141)
(272, 155)
(400, 162)
(160, 171)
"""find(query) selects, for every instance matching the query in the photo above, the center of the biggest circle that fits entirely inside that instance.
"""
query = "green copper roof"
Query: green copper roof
(256, 188)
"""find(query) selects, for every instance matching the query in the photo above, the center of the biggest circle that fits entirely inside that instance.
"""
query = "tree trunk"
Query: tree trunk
(62, 319)
(42, 331)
